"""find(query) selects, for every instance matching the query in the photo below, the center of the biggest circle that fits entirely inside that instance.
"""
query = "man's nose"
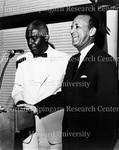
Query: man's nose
(72, 30)
(31, 41)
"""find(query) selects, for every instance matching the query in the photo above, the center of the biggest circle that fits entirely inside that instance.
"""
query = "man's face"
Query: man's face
(35, 40)
(80, 31)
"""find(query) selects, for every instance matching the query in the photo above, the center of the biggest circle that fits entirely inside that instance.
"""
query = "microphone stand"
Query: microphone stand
(5, 66)
(2, 109)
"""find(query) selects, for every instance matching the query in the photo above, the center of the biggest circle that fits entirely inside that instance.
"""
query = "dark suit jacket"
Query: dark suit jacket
(90, 102)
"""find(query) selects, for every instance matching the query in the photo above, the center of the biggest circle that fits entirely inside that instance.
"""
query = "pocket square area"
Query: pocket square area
(83, 76)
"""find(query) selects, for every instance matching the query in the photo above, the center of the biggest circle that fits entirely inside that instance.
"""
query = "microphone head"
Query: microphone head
(11, 51)
(16, 51)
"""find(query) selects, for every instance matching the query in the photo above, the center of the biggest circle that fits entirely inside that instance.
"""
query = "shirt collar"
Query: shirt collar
(86, 49)
(48, 52)
(84, 52)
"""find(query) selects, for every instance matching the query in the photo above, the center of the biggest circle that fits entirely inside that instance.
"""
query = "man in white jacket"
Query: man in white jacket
(37, 77)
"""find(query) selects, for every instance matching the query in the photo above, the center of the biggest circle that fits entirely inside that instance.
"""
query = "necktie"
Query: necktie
(76, 61)
(40, 55)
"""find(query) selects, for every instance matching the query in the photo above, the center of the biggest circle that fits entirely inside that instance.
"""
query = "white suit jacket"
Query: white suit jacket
(38, 78)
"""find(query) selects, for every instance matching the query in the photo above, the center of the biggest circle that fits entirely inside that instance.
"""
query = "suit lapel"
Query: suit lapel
(72, 66)
(85, 61)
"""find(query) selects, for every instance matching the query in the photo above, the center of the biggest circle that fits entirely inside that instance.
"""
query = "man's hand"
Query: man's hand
(29, 107)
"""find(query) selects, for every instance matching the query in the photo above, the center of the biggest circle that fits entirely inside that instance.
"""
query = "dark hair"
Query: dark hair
(94, 22)
(39, 25)
(97, 21)
(94, 19)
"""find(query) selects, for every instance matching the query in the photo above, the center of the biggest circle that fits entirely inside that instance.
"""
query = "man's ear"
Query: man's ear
(47, 37)
(92, 31)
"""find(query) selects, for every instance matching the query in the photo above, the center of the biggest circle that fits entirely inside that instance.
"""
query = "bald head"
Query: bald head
(84, 19)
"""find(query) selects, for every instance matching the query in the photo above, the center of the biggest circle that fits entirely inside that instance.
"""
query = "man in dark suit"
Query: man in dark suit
(89, 93)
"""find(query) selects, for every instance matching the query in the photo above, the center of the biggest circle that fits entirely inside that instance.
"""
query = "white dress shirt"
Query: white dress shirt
(84, 53)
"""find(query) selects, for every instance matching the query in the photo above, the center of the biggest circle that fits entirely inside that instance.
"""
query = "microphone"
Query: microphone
(13, 51)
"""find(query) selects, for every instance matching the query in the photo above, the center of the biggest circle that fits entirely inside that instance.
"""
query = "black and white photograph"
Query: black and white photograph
(59, 75)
